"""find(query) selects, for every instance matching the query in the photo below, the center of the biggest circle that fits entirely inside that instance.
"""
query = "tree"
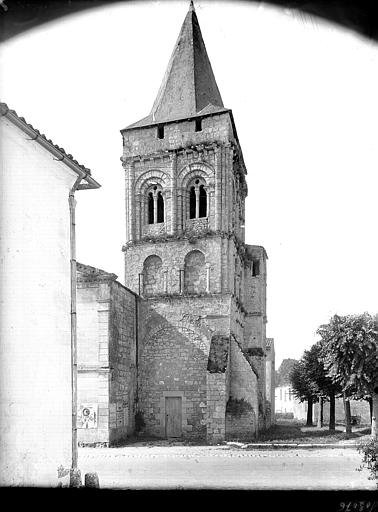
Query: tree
(324, 386)
(283, 373)
(350, 356)
(303, 388)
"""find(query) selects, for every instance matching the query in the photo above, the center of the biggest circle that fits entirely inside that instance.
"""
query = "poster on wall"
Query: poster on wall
(87, 416)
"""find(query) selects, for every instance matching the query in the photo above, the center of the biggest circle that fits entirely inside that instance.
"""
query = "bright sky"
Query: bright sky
(304, 97)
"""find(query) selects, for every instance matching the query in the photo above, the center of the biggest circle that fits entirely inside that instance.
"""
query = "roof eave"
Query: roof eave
(185, 118)
(59, 154)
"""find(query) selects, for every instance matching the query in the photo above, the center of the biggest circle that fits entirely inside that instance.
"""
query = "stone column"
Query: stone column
(154, 195)
(207, 277)
(179, 221)
(173, 212)
(138, 217)
(218, 188)
(165, 196)
(207, 201)
(197, 192)
(229, 195)
(165, 279)
(181, 280)
(131, 202)
(140, 283)
(126, 169)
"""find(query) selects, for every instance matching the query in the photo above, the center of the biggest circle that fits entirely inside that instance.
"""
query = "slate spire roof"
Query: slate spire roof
(188, 87)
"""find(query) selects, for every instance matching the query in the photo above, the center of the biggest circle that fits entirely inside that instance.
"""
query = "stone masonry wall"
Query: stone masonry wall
(172, 163)
(106, 327)
(216, 407)
(172, 255)
(174, 360)
(185, 302)
(243, 386)
(218, 387)
(93, 389)
(93, 372)
(122, 359)
(141, 141)
(175, 334)
(87, 323)
(195, 272)
(240, 427)
(152, 276)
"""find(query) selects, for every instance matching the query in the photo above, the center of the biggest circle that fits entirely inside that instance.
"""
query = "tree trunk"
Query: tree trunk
(332, 419)
(374, 418)
(370, 401)
(348, 424)
(320, 412)
(309, 413)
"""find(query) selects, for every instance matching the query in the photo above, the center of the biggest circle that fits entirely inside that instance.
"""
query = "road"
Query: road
(222, 467)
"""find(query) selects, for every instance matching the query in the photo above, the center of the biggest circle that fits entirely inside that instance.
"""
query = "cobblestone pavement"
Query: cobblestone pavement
(222, 467)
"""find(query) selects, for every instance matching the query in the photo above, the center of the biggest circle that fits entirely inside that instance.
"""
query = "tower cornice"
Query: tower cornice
(169, 153)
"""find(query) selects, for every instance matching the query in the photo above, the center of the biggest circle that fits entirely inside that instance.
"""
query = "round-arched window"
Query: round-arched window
(195, 272)
(152, 275)
(197, 200)
(155, 206)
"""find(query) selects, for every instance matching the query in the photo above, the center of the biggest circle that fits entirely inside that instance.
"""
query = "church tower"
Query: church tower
(202, 308)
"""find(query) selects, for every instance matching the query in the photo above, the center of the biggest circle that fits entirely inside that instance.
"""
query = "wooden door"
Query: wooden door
(173, 416)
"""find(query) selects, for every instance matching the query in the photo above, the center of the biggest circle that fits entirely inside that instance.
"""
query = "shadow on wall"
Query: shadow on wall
(173, 359)
(240, 419)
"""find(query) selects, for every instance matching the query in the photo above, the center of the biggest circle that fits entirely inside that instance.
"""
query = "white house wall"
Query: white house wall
(35, 408)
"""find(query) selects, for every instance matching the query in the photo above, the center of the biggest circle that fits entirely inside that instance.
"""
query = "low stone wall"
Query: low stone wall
(241, 426)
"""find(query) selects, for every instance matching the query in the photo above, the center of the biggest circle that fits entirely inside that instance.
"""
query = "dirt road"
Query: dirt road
(222, 467)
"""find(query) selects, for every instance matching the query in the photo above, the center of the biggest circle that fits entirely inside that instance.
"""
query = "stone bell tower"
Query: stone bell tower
(202, 289)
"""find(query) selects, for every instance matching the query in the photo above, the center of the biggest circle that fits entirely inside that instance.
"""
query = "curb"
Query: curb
(260, 446)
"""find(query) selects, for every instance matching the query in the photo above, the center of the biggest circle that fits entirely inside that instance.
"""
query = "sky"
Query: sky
(304, 97)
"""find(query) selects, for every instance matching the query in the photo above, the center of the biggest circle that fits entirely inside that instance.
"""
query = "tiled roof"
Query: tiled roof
(87, 272)
(47, 143)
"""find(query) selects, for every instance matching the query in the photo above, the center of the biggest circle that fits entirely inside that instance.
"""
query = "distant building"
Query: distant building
(287, 405)
(37, 416)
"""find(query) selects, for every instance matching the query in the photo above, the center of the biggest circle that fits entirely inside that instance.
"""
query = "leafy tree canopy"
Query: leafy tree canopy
(283, 373)
(316, 373)
(302, 385)
(349, 350)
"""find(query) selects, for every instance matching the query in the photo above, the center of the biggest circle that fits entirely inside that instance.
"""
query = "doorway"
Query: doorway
(173, 416)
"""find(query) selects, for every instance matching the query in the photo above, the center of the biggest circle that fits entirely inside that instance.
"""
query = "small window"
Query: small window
(160, 207)
(155, 206)
(197, 201)
(192, 206)
(199, 124)
(255, 268)
(150, 208)
(202, 201)
(160, 131)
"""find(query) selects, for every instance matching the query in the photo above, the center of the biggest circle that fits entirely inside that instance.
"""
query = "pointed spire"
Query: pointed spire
(188, 87)
(189, 84)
